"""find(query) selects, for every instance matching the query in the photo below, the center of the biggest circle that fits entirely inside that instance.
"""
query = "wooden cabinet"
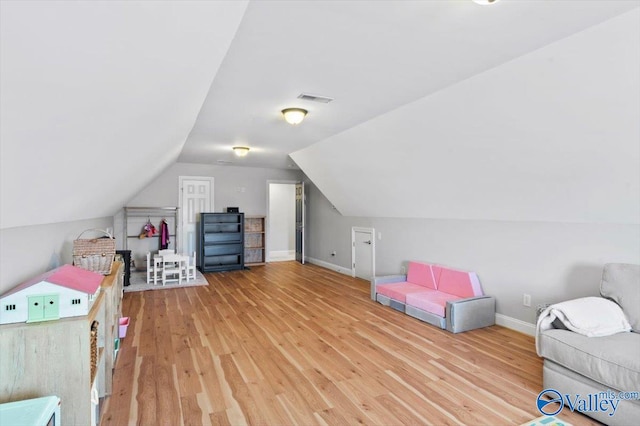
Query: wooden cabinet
(254, 240)
(63, 357)
(221, 242)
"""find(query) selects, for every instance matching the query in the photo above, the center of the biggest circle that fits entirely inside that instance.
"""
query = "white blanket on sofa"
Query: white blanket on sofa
(590, 316)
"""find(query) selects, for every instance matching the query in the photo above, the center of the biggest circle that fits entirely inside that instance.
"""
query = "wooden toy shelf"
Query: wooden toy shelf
(55, 357)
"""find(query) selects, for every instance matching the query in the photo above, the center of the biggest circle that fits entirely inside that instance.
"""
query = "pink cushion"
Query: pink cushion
(432, 301)
(420, 273)
(459, 283)
(436, 271)
(398, 291)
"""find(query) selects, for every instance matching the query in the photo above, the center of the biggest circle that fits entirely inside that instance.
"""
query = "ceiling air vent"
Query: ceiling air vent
(315, 98)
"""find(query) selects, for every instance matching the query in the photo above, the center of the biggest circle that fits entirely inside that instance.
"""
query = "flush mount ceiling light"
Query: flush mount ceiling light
(241, 151)
(485, 2)
(294, 115)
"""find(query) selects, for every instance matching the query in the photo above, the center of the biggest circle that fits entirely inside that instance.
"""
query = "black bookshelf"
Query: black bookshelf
(221, 242)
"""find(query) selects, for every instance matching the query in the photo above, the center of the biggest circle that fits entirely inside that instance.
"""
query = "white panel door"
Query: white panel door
(363, 253)
(197, 196)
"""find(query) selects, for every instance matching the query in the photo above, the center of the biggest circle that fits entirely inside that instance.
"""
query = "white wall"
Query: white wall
(244, 187)
(282, 221)
(27, 251)
(550, 261)
(550, 136)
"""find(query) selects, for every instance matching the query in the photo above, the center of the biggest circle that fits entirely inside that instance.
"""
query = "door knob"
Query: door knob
(368, 242)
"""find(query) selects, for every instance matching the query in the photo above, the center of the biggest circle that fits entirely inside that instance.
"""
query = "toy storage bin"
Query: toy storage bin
(122, 328)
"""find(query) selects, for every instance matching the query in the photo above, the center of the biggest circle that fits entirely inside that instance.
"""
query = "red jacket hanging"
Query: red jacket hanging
(164, 235)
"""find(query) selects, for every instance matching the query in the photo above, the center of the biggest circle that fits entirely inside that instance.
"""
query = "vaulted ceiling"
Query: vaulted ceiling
(98, 98)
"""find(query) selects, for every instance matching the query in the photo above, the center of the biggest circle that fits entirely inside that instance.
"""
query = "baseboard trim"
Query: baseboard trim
(516, 324)
(282, 255)
(328, 265)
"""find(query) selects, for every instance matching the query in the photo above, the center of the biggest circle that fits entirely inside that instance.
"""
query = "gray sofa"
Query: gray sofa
(575, 364)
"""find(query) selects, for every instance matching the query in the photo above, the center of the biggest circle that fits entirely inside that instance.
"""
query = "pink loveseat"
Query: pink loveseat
(445, 297)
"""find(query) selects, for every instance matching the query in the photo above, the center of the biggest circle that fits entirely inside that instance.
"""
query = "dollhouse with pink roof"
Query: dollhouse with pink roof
(67, 291)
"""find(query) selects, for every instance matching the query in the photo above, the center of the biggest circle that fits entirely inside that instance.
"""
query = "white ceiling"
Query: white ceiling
(551, 136)
(98, 98)
(371, 56)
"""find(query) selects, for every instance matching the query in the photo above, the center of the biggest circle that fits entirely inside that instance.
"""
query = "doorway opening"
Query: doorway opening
(281, 221)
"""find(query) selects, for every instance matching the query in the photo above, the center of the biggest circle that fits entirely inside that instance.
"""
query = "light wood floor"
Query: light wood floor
(287, 344)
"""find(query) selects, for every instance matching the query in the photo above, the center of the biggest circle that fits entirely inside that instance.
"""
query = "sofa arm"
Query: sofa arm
(471, 313)
(386, 279)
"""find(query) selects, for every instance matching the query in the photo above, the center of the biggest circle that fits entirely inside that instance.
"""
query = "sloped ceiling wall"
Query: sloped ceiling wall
(98, 98)
(550, 136)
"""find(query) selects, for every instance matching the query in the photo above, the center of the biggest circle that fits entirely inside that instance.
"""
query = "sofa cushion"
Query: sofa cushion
(398, 291)
(459, 283)
(433, 301)
(611, 360)
(621, 283)
(420, 273)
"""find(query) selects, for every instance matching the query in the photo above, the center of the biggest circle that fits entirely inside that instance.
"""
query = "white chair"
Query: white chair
(189, 267)
(172, 268)
(153, 270)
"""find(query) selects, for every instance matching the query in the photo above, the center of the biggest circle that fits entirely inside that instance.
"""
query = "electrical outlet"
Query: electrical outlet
(526, 300)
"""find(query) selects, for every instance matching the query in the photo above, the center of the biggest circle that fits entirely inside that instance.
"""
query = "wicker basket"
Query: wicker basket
(95, 254)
